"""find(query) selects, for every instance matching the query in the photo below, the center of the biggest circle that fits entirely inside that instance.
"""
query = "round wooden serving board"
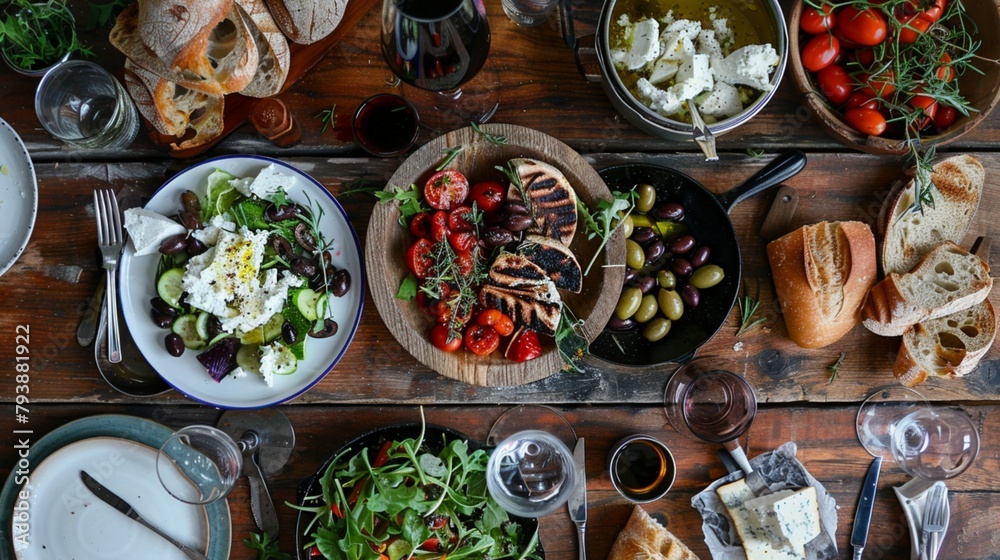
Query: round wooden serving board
(388, 241)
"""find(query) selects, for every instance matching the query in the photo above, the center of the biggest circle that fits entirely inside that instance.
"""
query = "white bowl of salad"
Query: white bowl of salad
(243, 282)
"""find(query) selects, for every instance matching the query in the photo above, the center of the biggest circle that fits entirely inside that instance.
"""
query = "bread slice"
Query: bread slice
(523, 291)
(949, 346)
(908, 235)
(556, 259)
(551, 199)
(307, 21)
(645, 539)
(947, 280)
(173, 109)
(822, 273)
(272, 50)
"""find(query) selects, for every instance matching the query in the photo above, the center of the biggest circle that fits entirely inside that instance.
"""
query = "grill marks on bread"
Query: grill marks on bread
(551, 199)
(555, 259)
(523, 291)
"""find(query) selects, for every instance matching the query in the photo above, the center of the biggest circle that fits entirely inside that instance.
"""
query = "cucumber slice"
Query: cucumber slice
(272, 328)
(202, 325)
(248, 358)
(170, 287)
(305, 300)
(322, 310)
(284, 361)
(186, 326)
(253, 336)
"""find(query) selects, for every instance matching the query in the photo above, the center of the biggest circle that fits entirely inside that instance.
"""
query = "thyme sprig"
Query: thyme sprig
(327, 116)
(449, 155)
(571, 344)
(464, 287)
(835, 366)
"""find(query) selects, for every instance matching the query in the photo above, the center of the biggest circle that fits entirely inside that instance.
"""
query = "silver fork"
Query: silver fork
(933, 524)
(110, 239)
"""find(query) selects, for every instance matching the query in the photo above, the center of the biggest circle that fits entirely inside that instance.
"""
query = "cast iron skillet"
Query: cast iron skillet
(434, 439)
(707, 219)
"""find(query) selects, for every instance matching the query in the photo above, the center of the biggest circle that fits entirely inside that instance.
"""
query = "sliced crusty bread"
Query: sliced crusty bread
(556, 259)
(822, 273)
(645, 539)
(949, 346)
(176, 31)
(173, 109)
(908, 235)
(947, 280)
(272, 50)
(551, 199)
(307, 21)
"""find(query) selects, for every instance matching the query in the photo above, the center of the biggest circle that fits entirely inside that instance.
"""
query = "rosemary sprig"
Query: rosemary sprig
(327, 116)
(603, 223)
(447, 272)
(498, 139)
(835, 365)
(359, 186)
(748, 307)
(571, 344)
(449, 155)
(755, 152)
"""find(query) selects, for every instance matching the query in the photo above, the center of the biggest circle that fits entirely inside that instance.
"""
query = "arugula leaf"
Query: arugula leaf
(266, 547)
(408, 288)
(609, 215)
(249, 213)
(410, 200)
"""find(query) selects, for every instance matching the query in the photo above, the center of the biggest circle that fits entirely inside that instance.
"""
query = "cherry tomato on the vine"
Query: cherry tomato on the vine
(418, 258)
(459, 219)
(466, 262)
(945, 117)
(446, 189)
(858, 99)
(488, 196)
(930, 10)
(913, 29)
(879, 85)
(462, 241)
(820, 52)
(817, 20)
(835, 83)
(443, 339)
(481, 339)
(945, 72)
(865, 27)
(866, 121)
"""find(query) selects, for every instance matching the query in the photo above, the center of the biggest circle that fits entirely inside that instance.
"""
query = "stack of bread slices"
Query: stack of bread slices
(184, 56)
(935, 293)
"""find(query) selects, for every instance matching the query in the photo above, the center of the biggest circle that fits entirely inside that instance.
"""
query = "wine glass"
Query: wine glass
(199, 464)
(439, 50)
(880, 413)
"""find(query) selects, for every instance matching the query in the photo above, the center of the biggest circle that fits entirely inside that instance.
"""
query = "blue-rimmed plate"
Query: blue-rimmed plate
(18, 196)
(46, 512)
(137, 281)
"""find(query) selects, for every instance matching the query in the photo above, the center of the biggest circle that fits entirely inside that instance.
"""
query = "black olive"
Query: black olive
(669, 211)
(162, 320)
(288, 333)
(681, 267)
(195, 247)
(275, 213)
(174, 244)
(495, 236)
(189, 220)
(643, 235)
(190, 202)
(329, 329)
(630, 274)
(644, 283)
(303, 266)
(617, 324)
(340, 283)
(681, 244)
(512, 207)
(282, 248)
(163, 307)
(700, 256)
(305, 237)
(691, 296)
(174, 344)
(517, 222)
(654, 251)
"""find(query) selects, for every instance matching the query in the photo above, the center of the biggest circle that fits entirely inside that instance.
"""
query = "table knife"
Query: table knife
(113, 500)
(863, 517)
(577, 503)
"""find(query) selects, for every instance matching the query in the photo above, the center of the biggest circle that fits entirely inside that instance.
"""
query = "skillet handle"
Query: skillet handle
(781, 168)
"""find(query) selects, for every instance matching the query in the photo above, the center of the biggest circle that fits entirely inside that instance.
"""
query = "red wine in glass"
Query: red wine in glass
(718, 406)
(385, 125)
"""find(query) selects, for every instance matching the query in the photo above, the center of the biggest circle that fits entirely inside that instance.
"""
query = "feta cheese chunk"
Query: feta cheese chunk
(722, 101)
(267, 183)
(678, 40)
(693, 77)
(662, 101)
(644, 45)
(663, 70)
(209, 235)
(147, 229)
(750, 66)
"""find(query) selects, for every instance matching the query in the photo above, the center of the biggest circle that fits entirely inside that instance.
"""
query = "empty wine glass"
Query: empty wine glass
(880, 413)
(199, 464)
(531, 473)
(935, 443)
(439, 51)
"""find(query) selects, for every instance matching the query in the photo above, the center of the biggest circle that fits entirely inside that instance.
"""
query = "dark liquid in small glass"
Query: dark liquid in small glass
(641, 468)
(385, 125)
(719, 407)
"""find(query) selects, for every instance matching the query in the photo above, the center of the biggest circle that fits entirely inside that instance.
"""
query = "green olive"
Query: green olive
(656, 329)
(628, 304)
(635, 256)
(671, 304)
(666, 279)
(707, 276)
(647, 198)
(628, 226)
(647, 309)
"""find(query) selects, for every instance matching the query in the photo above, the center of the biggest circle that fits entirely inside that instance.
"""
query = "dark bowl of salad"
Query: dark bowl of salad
(407, 512)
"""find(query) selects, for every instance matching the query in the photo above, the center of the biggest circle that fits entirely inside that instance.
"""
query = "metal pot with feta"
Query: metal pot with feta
(659, 58)
(244, 275)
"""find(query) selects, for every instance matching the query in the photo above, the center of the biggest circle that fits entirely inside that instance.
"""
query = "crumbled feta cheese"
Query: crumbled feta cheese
(238, 373)
(662, 101)
(268, 357)
(667, 18)
(693, 77)
(624, 21)
(708, 44)
(722, 32)
(723, 101)
(663, 70)
(147, 229)
(209, 235)
(267, 183)
(750, 65)
(678, 40)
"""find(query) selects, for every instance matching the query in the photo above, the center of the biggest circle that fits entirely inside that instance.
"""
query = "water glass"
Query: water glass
(528, 13)
(82, 104)
(199, 464)
(531, 473)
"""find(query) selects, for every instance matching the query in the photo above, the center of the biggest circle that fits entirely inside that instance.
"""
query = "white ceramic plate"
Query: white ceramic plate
(137, 278)
(68, 521)
(18, 196)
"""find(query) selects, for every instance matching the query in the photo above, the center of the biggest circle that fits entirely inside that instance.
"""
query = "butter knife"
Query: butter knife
(577, 503)
(113, 500)
(863, 517)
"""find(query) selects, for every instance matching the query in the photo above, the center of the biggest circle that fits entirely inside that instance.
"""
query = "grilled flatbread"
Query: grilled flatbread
(555, 259)
(523, 291)
(551, 199)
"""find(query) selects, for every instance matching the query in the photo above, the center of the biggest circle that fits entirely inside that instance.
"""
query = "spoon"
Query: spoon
(702, 135)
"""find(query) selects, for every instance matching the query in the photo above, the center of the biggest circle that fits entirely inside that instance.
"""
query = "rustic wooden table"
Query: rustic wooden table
(378, 383)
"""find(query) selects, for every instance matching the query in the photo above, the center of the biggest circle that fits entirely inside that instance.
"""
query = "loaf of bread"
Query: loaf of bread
(909, 234)
(192, 116)
(645, 539)
(272, 50)
(949, 346)
(307, 21)
(822, 273)
(947, 280)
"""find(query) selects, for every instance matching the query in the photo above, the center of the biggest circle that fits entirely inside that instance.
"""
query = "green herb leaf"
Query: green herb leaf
(35, 35)
(450, 155)
(608, 216)
(498, 139)
(327, 117)
(407, 288)
(411, 201)
(571, 344)
(748, 307)
(835, 366)
(266, 547)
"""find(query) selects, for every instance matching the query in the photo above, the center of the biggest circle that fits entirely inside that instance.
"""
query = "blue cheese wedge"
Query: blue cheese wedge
(147, 229)
(758, 544)
(791, 516)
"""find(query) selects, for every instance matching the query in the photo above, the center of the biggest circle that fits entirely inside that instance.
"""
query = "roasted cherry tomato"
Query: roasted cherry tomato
(945, 72)
(383, 455)
(865, 27)
(459, 219)
(466, 261)
(820, 52)
(928, 105)
(431, 544)
(420, 225)
(929, 10)
(866, 121)
(879, 85)
(446, 189)
(462, 241)
(498, 320)
(835, 84)
(488, 196)
(481, 339)
(524, 347)
(945, 117)
(443, 339)
(817, 20)
(865, 57)
(439, 226)
(418, 258)
(913, 29)
(858, 99)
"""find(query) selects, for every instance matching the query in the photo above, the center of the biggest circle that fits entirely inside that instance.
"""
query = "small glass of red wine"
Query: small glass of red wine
(704, 401)
(386, 125)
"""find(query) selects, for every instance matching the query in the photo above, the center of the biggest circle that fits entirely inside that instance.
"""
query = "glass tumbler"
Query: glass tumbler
(199, 464)
(82, 104)
(528, 13)
(531, 473)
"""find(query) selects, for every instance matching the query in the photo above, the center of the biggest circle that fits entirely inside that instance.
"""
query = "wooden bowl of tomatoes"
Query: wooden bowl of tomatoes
(897, 75)
(419, 244)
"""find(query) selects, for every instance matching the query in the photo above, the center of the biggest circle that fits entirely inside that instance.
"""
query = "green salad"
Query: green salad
(409, 501)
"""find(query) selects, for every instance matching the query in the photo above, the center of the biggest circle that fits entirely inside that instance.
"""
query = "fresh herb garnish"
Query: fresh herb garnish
(748, 307)
(836, 365)
(755, 152)
(326, 116)
(464, 294)
(498, 139)
(408, 288)
(359, 186)
(35, 35)
(411, 201)
(571, 344)
(449, 156)
(100, 14)
(266, 547)
(609, 215)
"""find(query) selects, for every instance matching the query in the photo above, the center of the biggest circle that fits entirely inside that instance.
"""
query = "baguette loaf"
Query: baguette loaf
(946, 281)
(272, 49)
(307, 21)
(949, 346)
(908, 235)
(174, 110)
(645, 539)
(822, 273)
